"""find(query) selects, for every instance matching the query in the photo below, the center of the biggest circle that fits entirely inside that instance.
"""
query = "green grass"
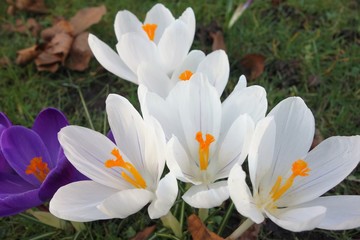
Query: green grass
(300, 40)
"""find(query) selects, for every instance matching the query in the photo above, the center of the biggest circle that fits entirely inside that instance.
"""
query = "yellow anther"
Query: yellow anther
(150, 30)
(185, 75)
(38, 168)
(299, 168)
(137, 180)
(204, 147)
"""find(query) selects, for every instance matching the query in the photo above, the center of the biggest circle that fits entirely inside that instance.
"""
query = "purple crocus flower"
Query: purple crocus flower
(32, 163)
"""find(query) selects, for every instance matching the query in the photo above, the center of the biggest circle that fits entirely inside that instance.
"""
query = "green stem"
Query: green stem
(241, 229)
(85, 108)
(171, 222)
(182, 214)
(225, 219)
(203, 214)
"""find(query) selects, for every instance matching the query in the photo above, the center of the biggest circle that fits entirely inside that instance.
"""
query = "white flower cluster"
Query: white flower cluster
(202, 140)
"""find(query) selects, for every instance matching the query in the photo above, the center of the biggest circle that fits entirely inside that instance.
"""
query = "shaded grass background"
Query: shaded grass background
(301, 40)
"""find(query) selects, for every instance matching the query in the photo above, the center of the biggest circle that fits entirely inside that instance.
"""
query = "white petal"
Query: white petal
(126, 202)
(207, 195)
(190, 63)
(216, 67)
(135, 48)
(330, 162)
(298, 219)
(162, 17)
(342, 212)
(88, 151)
(126, 22)
(251, 100)
(234, 148)
(154, 79)
(77, 201)
(179, 163)
(166, 194)
(127, 127)
(110, 60)
(261, 148)
(295, 128)
(174, 45)
(188, 17)
(242, 83)
(241, 196)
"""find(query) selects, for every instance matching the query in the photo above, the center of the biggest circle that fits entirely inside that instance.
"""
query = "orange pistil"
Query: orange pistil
(150, 30)
(299, 168)
(137, 180)
(38, 168)
(185, 75)
(204, 147)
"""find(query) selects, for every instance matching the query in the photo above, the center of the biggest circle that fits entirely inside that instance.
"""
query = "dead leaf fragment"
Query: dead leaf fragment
(61, 26)
(199, 231)
(60, 45)
(31, 25)
(26, 55)
(144, 234)
(253, 65)
(318, 138)
(251, 234)
(218, 40)
(86, 17)
(35, 6)
(80, 53)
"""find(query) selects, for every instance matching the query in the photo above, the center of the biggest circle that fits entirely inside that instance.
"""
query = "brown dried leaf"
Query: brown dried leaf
(80, 53)
(61, 26)
(253, 65)
(35, 6)
(86, 17)
(251, 234)
(30, 25)
(199, 231)
(144, 234)
(318, 138)
(26, 55)
(60, 45)
(218, 40)
(45, 58)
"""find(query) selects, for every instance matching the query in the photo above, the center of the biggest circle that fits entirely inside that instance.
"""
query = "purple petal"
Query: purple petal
(111, 136)
(4, 120)
(19, 146)
(14, 203)
(47, 124)
(12, 183)
(63, 174)
(4, 166)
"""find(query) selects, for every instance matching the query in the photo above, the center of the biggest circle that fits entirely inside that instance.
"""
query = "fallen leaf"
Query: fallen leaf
(251, 234)
(218, 41)
(86, 17)
(61, 26)
(31, 25)
(318, 138)
(144, 234)
(60, 45)
(199, 231)
(26, 55)
(35, 6)
(80, 53)
(4, 62)
(253, 65)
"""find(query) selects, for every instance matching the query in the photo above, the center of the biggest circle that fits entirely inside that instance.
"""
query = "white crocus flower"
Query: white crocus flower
(207, 137)
(124, 177)
(215, 66)
(161, 40)
(287, 180)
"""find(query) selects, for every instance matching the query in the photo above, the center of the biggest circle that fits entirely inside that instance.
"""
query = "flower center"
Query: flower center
(299, 168)
(204, 147)
(150, 30)
(185, 75)
(137, 180)
(38, 168)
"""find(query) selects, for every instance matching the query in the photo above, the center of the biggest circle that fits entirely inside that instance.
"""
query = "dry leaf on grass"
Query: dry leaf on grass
(26, 55)
(80, 53)
(144, 234)
(35, 6)
(218, 40)
(199, 231)
(251, 234)
(31, 25)
(86, 17)
(61, 26)
(253, 65)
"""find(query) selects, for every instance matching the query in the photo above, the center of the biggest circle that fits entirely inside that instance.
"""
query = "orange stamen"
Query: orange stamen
(137, 180)
(38, 168)
(204, 147)
(150, 30)
(299, 168)
(185, 75)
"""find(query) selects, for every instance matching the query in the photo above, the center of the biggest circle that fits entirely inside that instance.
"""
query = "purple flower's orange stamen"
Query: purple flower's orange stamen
(137, 180)
(150, 30)
(38, 168)
(299, 168)
(204, 147)
(185, 75)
